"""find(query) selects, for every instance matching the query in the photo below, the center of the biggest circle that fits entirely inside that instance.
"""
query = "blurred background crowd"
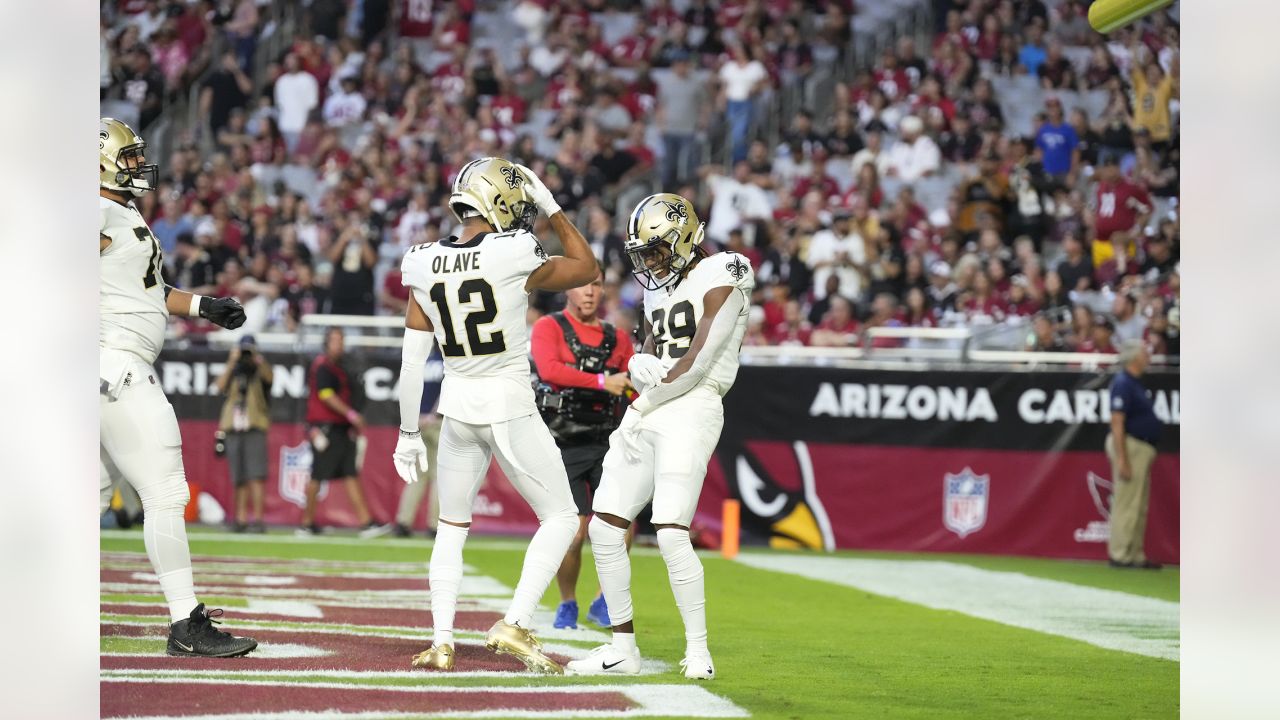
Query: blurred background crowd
(988, 164)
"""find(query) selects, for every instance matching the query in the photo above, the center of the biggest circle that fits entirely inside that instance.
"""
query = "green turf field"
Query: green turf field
(790, 647)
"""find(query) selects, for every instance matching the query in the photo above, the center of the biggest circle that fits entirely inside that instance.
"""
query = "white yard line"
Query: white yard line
(278, 539)
(651, 701)
(648, 666)
(237, 561)
(477, 585)
(1105, 618)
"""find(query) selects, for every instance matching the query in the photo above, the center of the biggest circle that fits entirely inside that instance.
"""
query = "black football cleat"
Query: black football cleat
(197, 637)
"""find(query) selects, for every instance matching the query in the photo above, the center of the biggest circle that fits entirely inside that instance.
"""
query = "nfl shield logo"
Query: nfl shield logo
(1101, 488)
(964, 501)
(295, 473)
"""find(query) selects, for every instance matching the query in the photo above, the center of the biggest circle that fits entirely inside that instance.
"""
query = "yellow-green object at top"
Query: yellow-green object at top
(1108, 15)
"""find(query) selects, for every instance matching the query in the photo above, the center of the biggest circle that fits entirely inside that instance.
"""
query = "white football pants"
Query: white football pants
(528, 455)
(676, 443)
(140, 441)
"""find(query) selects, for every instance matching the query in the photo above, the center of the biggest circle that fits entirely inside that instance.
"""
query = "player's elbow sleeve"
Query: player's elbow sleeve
(417, 347)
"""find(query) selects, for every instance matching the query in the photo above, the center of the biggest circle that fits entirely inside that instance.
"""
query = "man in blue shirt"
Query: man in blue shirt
(169, 226)
(1131, 448)
(1033, 54)
(1057, 139)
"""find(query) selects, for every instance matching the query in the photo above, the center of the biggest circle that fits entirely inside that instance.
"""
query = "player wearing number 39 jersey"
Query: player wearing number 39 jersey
(696, 313)
(471, 293)
(139, 441)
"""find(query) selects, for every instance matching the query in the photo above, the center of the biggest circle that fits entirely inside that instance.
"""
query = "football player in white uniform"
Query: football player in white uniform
(140, 441)
(471, 292)
(695, 316)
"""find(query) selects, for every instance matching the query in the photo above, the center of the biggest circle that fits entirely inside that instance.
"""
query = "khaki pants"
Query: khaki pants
(1129, 499)
(412, 496)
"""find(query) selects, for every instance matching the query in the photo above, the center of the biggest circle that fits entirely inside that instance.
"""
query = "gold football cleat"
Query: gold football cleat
(438, 657)
(507, 639)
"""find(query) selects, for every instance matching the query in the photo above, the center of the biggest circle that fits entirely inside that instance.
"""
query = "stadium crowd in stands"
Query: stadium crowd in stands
(1018, 170)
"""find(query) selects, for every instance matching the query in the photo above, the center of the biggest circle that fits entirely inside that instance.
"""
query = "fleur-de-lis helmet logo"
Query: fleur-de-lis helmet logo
(512, 176)
(675, 211)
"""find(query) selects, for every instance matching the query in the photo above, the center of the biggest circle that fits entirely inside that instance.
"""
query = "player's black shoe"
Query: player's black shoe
(197, 637)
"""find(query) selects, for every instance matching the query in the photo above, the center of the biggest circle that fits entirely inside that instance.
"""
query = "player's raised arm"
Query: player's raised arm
(578, 266)
(223, 312)
(410, 456)
(721, 307)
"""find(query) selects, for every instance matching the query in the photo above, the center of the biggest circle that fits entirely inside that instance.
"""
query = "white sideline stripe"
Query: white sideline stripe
(1105, 618)
(207, 569)
(243, 562)
(471, 585)
(482, 543)
(652, 700)
(360, 603)
(192, 534)
(271, 651)
(648, 666)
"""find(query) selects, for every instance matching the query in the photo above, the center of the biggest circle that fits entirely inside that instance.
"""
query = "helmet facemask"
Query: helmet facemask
(667, 269)
(132, 175)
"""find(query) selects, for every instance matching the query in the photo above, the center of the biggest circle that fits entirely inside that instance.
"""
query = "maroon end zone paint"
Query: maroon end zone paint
(375, 617)
(125, 699)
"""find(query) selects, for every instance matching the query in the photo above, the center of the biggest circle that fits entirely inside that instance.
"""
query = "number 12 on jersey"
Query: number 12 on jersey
(487, 312)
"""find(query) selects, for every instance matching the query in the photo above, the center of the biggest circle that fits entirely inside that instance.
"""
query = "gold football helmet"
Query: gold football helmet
(121, 154)
(664, 220)
(493, 188)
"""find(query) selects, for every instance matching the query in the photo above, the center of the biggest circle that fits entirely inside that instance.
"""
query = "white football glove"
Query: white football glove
(630, 430)
(538, 192)
(646, 371)
(410, 457)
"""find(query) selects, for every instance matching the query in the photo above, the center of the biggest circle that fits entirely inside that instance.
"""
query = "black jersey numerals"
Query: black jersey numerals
(673, 329)
(153, 265)
(488, 311)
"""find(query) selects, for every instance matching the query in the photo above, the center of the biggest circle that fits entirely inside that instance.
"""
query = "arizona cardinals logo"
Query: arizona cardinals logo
(512, 176)
(675, 211)
(737, 268)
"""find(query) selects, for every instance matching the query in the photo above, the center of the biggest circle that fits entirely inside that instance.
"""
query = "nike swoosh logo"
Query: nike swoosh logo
(184, 646)
(610, 666)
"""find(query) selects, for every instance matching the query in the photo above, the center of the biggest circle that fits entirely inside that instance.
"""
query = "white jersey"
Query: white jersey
(131, 299)
(675, 312)
(474, 294)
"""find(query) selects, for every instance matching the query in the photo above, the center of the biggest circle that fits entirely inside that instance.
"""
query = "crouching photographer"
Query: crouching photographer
(243, 426)
(582, 392)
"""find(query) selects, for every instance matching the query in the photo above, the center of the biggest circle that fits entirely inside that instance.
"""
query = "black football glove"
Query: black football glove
(224, 312)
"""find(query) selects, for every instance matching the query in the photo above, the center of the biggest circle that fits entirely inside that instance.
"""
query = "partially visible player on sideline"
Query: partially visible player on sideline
(696, 315)
(139, 440)
(472, 293)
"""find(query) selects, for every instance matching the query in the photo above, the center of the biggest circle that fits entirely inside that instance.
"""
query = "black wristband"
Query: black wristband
(410, 433)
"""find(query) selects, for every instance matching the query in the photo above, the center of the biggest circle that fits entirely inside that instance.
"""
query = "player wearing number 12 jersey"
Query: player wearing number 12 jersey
(696, 311)
(471, 293)
(139, 439)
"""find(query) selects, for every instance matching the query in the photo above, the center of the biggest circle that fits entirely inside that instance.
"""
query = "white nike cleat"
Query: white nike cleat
(606, 660)
(698, 666)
